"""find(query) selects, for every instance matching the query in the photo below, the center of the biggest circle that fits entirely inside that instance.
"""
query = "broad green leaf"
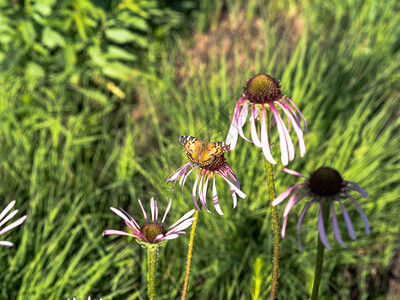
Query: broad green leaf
(115, 52)
(123, 36)
(52, 38)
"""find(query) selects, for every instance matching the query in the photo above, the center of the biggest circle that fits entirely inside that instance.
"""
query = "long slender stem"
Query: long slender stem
(189, 255)
(275, 223)
(320, 253)
(152, 256)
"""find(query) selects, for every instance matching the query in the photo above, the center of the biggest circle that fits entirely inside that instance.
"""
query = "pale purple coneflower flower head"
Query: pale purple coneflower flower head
(325, 184)
(262, 93)
(153, 231)
(6, 219)
(207, 173)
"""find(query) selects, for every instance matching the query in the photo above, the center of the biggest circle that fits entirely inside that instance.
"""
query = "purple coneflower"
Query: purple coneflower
(324, 184)
(12, 225)
(218, 167)
(152, 232)
(263, 92)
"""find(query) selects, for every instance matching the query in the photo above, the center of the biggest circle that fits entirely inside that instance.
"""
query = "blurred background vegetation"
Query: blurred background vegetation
(93, 97)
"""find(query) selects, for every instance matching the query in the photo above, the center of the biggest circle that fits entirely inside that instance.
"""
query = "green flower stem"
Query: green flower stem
(320, 253)
(152, 257)
(275, 223)
(189, 255)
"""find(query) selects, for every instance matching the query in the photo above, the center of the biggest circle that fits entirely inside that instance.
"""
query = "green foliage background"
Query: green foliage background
(94, 97)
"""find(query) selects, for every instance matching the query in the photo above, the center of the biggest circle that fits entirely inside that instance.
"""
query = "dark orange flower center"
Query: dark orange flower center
(262, 88)
(216, 164)
(326, 182)
(151, 231)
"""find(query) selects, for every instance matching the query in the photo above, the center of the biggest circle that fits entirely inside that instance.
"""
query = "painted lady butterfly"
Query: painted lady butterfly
(201, 152)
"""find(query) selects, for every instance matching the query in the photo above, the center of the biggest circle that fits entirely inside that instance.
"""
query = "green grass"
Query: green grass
(67, 155)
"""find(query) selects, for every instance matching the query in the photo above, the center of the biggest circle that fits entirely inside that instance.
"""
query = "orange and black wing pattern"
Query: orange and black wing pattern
(202, 152)
(192, 146)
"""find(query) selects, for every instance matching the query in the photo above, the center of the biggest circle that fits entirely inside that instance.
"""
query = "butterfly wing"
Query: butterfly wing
(192, 146)
(211, 151)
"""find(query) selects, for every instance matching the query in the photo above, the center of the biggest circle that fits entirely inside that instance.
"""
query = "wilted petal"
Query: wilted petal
(363, 216)
(321, 228)
(347, 220)
(302, 214)
(336, 231)
(264, 138)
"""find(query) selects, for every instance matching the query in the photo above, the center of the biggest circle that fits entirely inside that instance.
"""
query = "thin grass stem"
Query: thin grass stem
(189, 255)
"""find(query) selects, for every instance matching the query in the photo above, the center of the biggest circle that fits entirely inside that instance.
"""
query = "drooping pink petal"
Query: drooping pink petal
(292, 202)
(7, 209)
(242, 120)
(284, 135)
(184, 174)
(133, 223)
(291, 172)
(321, 228)
(152, 209)
(254, 134)
(118, 232)
(264, 138)
(363, 216)
(293, 113)
(215, 198)
(347, 220)
(184, 180)
(336, 231)
(5, 243)
(233, 132)
(203, 190)
(302, 214)
(124, 217)
(143, 210)
(194, 192)
(284, 227)
(297, 129)
(180, 227)
(301, 115)
(357, 188)
(9, 217)
(171, 236)
(284, 195)
(13, 225)
(166, 211)
(239, 192)
(184, 217)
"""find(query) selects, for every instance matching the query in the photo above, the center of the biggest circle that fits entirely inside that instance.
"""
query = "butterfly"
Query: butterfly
(201, 152)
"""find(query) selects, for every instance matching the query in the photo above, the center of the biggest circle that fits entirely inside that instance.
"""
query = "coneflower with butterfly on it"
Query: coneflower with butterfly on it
(209, 158)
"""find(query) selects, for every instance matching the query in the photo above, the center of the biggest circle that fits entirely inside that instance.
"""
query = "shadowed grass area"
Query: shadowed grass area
(67, 155)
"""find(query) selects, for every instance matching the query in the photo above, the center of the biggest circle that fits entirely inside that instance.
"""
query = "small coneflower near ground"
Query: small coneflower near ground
(324, 184)
(219, 166)
(152, 234)
(12, 225)
(263, 93)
